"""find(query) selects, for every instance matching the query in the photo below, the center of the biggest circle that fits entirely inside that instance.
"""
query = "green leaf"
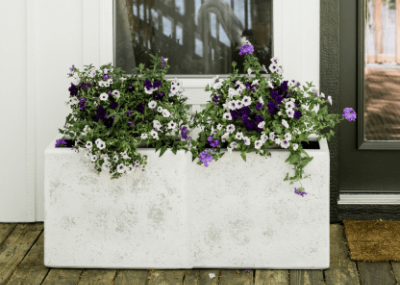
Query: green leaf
(305, 161)
(243, 155)
(163, 150)
(293, 158)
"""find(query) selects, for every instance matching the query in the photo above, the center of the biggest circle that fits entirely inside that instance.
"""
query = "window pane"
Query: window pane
(197, 36)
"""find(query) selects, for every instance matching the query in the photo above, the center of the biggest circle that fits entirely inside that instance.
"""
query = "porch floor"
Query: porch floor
(21, 262)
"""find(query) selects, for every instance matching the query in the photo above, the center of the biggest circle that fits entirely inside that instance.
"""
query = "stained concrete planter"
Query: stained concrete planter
(178, 214)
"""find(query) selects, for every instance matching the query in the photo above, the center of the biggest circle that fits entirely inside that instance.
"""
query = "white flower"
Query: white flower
(106, 84)
(233, 144)
(277, 141)
(122, 79)
(215, 79)
(285, 144)
(121, 168)
(76, 81)
(232, 92)
(246, 101)
(258, 144)
(232, 105)
(271, 136)
(246, 140)
(110, 81)
(101, 145)
(137, 162)
(130, 168)
(289, 105)
(143, 136)
(290, 113)
(261, 125)
(295, 146)
(292, 100)
(292, 83)
(255, 82)
(261, 100)
(89, 144)
(159, 109)
(288, 136)
(106, 166)
(249, 71)
(273, 67)
(285, 123)
(125, 155)
(229, 149)
(103, 96)
(157, 125)
(171, 125)
(115, 158)
(92, 73)
(166, 113)
(322, 95)
(279, 113)
(154, 134)
(93, 158)
(149, 91)
(264, 68)
(219, 127)
(152, 104)
(275, 60)
(98, 141)
(279, 70)
(225, 137)
(230, 128)
(329, 100)
(239, 136)
(227, 116)
(217, 85)
(116, 94)
(264, 138)
(239, 104)
(101, 83)
(269, 82)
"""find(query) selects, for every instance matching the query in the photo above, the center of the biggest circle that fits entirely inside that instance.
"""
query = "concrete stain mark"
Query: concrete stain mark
(125, 221)
(68, 223)
(239, 230)
(54, 186)
(88, 180)
(156, 215)
(101, 220)
(212, 235)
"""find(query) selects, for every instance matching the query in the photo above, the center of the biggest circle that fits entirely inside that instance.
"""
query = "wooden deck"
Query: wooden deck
(21, 262)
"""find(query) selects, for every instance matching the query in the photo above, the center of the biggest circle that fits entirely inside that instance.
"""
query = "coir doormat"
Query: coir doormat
(373, 241)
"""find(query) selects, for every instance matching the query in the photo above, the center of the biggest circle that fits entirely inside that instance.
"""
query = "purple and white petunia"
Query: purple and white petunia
(152, 104)
(116, 94)
(264, 138)
(230, 128)
(271, 136)
(239, 136)
(154, 134)
(116, 158)
(295, 146)
(121, 168)
(329, 100)
(290, 113)
(233, 145)
(144, 136)
(246, 140)
(166, 113)
(172, 125)
(227, 116)
(261, 125)
(89, 144)
(288, 136)
(258, 144)
(246, 101)
(232, 105)
(157, 125)
(103, 96)
(285, 123)
(285, 143)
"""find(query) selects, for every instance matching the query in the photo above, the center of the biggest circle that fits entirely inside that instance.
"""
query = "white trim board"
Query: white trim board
(369, 199)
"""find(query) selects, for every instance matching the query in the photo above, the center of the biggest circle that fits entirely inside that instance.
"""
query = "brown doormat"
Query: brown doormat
(373, 241)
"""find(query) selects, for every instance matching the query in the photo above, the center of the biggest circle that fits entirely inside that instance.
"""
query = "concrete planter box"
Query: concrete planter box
(178, 214)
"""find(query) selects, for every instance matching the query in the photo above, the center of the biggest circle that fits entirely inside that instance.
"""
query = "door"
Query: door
(369, 78)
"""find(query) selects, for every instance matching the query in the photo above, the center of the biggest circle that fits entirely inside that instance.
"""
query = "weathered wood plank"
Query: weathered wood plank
(63, 277)
(272, 277)
(192, 277)
(396, 269)
(97, 276)
(15, 247)
(32, 269)
(5, 230)
(306, 277)
(342, 270)
(375, 273)
(232, 277)
(125, 277)
(204, 277)
(170, 277)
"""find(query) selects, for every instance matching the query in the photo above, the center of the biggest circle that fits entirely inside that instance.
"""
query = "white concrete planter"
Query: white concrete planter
(178, 214)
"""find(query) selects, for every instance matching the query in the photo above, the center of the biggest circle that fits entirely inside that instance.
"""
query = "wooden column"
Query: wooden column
(398, 31)
(378, 28)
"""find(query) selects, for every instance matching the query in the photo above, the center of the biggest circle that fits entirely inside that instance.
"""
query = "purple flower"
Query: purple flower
(247, 271)
(140, 108)
(109, 121)
(245, 111)
(246, 49)
(105, 77)
(72, 70)
(163, 62)
(159, 96)
(148, 84)
(114, 105)
(82, 104)
(216, 98)
(156, 84)
(349, 114)
(259, 119)
(61, 143)
(277, 97)
(129, 88)
(258, 106)
(73, 91)
(100, 114)
(85, 85)
(235, 114)
(297, 114)
(284, 86)
(248, 85)
(184, 130)
(300, 191)
(129, 112)
(205, 157)
(272, 108)
(213, 143)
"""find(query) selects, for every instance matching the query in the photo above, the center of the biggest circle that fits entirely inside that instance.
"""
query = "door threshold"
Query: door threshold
(369, 199)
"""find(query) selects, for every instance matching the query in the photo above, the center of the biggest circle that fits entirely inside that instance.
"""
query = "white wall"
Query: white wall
(41, 39)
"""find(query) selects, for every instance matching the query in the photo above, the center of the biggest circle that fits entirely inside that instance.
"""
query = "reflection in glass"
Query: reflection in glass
(197, 36)
(382, 70)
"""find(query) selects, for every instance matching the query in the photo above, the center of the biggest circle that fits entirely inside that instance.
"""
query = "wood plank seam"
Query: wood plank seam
(44, 278)
(1, 243)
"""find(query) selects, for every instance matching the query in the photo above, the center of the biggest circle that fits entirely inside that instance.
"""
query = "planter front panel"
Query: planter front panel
(245, 216)
(177, 214)
(138, 221)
